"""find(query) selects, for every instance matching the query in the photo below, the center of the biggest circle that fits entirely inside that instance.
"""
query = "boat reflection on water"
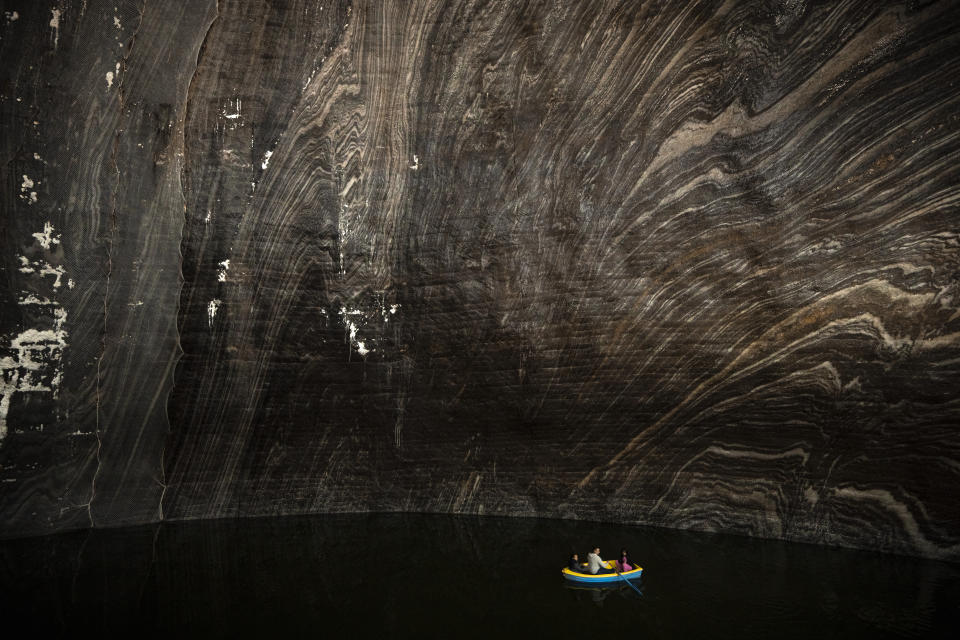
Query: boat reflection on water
(600, 592)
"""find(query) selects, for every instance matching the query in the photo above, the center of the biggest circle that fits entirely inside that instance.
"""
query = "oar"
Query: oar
(632, 586)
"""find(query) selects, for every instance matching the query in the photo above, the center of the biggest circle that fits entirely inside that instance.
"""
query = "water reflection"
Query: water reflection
(441, 576)
(599, 593)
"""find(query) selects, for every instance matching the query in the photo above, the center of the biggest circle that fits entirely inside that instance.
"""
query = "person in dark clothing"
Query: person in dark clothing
(574, 563)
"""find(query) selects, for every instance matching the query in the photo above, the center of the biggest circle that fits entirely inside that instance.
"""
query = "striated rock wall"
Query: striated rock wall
(689, 264)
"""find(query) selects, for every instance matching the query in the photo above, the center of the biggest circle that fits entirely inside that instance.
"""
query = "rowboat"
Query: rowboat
(601, 578)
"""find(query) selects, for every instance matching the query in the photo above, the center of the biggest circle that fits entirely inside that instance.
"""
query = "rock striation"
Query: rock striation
(686, 264)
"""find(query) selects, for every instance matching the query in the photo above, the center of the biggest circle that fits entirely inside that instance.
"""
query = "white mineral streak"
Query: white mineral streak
(212, 310)
(11, 16)
(222, 272)
(352, 329)
(346, 190)
(468, 489)
(794, 452)
(266, 159)
(236, 114)
(36, 360)
(386, 312)
(55, 25)
(26, 186)
(111, 75)
(46, 237)
(116, 22)
(416, 163)
(42, 268)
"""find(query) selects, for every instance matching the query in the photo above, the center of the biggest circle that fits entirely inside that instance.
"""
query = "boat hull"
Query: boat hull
(603, 578)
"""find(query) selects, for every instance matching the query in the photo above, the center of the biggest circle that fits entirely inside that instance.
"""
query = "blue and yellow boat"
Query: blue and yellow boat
(601, 578)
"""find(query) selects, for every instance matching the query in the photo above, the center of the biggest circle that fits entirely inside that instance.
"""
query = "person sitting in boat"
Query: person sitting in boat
(574, 563)
(596, 565)
(624, 564)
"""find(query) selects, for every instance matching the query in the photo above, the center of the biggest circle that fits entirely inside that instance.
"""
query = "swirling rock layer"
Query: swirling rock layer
(692, 264)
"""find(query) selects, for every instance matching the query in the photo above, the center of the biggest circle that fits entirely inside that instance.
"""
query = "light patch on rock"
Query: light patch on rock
(35, 358)
(346, 189)
(387, 311)
(416, 163)
(236, 114)
(355, 343)
(116, 22)
(266, 159)
(25, 189)
(222, 273)
(825, 246)
(111, 75)
(55, 25)
(42, 268)
(212, 308)
(46, 237)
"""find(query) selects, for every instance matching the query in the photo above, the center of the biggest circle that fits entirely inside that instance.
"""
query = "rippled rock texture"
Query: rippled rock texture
(693, 264)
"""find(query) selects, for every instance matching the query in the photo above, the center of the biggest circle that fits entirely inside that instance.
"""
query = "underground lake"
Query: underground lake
(410, 575)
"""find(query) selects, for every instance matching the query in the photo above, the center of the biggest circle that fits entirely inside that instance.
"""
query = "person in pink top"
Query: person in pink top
(623, 563)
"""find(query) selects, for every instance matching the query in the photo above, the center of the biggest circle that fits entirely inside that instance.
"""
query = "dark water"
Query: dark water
(442, 576)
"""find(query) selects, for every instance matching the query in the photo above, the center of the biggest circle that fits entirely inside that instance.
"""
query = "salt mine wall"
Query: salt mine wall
(692, 264)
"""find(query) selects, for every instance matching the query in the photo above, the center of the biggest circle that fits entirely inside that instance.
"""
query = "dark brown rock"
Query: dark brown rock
(689, 264)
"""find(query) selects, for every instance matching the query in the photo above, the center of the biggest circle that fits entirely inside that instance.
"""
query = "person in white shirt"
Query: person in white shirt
(595, 563)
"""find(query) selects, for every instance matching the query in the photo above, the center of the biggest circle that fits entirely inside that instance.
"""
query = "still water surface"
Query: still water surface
(422, 576)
